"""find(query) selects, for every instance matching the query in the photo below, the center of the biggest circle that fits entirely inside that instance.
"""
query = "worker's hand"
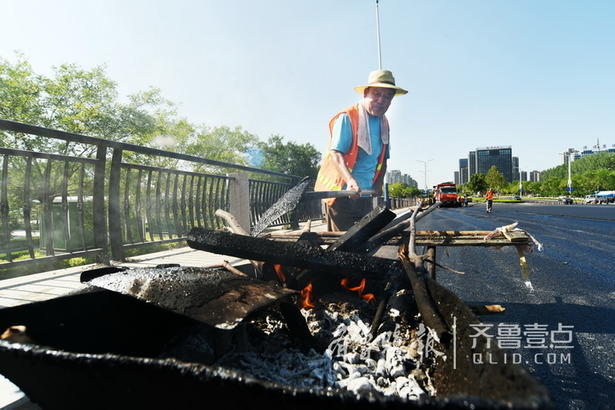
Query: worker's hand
(353, 185)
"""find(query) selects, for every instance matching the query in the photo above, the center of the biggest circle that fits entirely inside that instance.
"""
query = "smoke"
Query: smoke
(165, 141)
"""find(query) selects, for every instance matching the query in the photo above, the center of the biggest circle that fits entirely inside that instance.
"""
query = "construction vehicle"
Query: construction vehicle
(446, 193)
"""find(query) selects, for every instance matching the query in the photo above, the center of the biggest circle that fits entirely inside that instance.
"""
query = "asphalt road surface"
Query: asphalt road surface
(573, 281)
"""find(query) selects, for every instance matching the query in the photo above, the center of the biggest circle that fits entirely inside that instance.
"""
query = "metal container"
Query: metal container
(99, 349)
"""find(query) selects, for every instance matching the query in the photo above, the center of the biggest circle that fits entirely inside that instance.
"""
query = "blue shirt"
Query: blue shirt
(365, 167)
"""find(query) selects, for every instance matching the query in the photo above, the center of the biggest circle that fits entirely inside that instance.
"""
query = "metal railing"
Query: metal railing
(110, 196)
(118, 197)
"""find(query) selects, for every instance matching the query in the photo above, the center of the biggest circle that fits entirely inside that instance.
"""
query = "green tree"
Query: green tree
(401, 190)
(494, 178)
(290, 158)
(477, 183)
(221, 144)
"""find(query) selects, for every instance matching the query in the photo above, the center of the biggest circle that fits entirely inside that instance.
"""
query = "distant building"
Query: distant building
(395, 176)
(463, 171)
(523, 176)
(501, 157)
(535, 176)
(577, 154)
(456, 178)
(481, 159)
(515, 169)
(471, 164)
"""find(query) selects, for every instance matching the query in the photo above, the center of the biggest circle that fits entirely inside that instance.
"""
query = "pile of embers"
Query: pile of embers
(362, 333)
(340, 352)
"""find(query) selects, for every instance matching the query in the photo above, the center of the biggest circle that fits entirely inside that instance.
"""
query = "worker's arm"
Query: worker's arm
(340, 164)
(380, 181)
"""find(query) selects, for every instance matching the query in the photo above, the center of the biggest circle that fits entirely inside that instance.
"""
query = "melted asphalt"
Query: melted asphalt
(573, 282)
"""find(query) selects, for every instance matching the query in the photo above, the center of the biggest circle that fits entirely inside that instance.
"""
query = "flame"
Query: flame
(369, 297)
(358, 289)
(278, 271)
(306, 297)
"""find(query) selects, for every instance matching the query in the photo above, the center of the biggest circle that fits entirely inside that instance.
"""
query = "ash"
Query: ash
(396, 363)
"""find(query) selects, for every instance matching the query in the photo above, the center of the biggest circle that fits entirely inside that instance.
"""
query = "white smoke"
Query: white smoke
(165, 141)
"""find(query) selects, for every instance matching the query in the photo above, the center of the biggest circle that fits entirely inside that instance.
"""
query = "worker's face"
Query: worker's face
(377, 100)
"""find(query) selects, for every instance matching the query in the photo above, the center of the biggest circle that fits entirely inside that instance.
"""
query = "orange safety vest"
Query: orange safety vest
(329, 179)
(489, 195)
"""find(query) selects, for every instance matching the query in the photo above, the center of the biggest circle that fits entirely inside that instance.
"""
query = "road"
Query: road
(573, 282)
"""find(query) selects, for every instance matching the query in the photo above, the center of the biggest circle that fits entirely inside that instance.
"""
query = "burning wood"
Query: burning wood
(358, 289)
(215, 297)
(17, 333)
(355, 239)
(306, 300)
(284, 253)
(397, 363)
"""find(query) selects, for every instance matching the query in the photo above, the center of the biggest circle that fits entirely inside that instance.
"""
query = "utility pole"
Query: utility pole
(378, 35)
(425, 165)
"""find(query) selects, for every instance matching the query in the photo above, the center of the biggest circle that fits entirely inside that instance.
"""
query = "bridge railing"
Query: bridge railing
(113, 196)
(90, 196)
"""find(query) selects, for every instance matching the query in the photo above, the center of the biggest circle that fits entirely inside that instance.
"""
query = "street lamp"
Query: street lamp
(425, 164)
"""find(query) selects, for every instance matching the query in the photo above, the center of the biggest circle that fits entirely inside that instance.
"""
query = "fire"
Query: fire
(278, 271)
(358, 289)
(306, 297)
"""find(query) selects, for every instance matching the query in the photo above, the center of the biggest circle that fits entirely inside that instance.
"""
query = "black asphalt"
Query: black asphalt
(573, 282)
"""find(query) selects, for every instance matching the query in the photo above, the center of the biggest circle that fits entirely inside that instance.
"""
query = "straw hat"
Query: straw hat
(383, 79)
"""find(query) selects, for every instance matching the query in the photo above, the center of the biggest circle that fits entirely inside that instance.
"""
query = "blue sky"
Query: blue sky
(538, 75)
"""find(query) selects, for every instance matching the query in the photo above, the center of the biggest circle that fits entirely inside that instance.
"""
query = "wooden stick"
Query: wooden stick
(226, 265)
(292, 254)
(445, 267)
(231, 222)
(412, 241)
(234, 227)
(424, 302)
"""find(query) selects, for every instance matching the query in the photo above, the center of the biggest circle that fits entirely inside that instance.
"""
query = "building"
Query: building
(395, 176)
(515, 169)
(471, 164)
(577, 154)
(456, 178)
(463, 171)
(523, 176)
(484, 158)
(535, 176)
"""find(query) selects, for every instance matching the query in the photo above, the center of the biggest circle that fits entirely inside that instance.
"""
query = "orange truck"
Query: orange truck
(446, 193)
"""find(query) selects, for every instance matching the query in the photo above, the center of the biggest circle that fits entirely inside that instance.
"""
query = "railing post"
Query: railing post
(100, 222)
(115, 225)
(239, 198)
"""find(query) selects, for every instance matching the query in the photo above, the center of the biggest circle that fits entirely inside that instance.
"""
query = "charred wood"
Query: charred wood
(424, 301)
(350, 264)
(355, 239)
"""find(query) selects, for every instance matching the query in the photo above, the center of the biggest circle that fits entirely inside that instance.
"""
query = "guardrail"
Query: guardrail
(115, 197)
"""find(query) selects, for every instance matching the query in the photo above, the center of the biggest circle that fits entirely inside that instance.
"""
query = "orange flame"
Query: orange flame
(358, 289)
(306, 297)
(368, 297)
(278, 271)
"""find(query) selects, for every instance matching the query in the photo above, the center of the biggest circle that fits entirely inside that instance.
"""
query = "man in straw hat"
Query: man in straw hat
(358, 151)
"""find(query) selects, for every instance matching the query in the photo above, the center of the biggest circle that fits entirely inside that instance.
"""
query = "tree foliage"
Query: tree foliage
(289, 157)
(86, 101)
(495, 179)
(589, 174)
(477, 183)
(401, 190)
(222, 144)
